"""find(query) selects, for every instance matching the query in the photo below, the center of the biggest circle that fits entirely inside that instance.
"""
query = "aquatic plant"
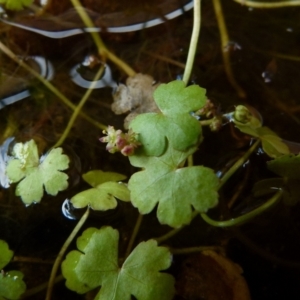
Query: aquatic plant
(161, 145)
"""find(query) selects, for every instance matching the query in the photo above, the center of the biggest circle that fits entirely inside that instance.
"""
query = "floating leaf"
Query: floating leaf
(175, 189)
(174, 123)
(102, 197)
(16, 4)
(11, 283)
(96, 264)
(36, 173)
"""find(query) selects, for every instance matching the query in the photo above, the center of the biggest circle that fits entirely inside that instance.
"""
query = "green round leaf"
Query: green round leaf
(102, 197)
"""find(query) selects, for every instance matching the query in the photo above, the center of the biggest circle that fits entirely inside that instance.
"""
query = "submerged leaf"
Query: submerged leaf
(96, 177)
(175, 189)
(5, 254)
(290, 187)
(175, 123)
(287, 166)
(37, 173)
(96, 264)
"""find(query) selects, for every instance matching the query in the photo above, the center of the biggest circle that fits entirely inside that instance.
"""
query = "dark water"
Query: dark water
(265, 57)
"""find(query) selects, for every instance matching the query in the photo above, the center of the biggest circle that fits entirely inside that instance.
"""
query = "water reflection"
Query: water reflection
(270, 71)
(82, 74)
(69, 24)
(12, 93)
(4, 158)
(79, 71)
(68, 210)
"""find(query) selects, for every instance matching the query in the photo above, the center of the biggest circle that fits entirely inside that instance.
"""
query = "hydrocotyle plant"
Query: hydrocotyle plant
(161, 145)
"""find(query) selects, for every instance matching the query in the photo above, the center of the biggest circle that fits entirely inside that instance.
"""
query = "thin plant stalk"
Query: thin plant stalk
(264, 253)
(102, 49)
(193, 43)
(63, 251)
(134, 234)
(40, 287)
(189, 250)
(278, 55)
(246, 217)
(258, 4)
(173, 232)
(225, 42)
(48, 84)
(238, 164)
(79, 108)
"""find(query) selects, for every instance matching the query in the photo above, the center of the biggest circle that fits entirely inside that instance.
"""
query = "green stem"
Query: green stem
(52, 88)
(39, 288)
(62, 252)
(102, 49)
(246, 217)
(258, 4)
(264, 253)
(224, 44)
(193, 43)
(206, 122)
(134, 234)
(190, 161)
(193, 249)
(173, 232)
(78, 108)
(238, 164)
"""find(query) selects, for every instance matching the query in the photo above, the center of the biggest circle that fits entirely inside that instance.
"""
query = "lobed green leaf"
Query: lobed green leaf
(175, 189)
(36, 174)
(175, 123)
(102, 197)
(96, 264)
